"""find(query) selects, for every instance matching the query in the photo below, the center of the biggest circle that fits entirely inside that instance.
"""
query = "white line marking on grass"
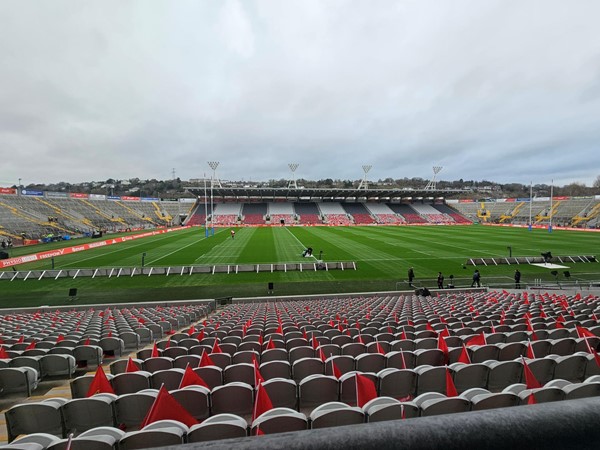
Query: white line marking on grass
(181, 248)
(299, 242)
(116, 250)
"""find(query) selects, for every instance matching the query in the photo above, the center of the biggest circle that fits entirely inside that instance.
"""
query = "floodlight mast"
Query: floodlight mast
(213, 165)
(364, 184)
(292, 183)
(214, 181)
(432, 185)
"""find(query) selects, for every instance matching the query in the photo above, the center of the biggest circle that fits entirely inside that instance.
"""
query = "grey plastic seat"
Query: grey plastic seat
(335, 414)
(157, 363)
(43, 439)
(82, 414)
(170, 378)
(379, 412)
(307, 366)
(503, 374)
(494, 400)
(233, 398)
(88, 356)
(283, 392)
(58, 365)
(38, 417)
(468, 376)
(397, 383)
(81, 385)
(275, 369)
(279, 420)
(195, 399)
(370, 362)
(571, 368)
(19, 379)
(128, 383)
(315, 390)
(98, 442)
(33, 362)
(112, 346)
(131, 409)
(148, 438)
(434, 407)
(431, 379)
(542, 395)
(220, 426)
(581, 390)
(348, 386)
(131, 340)
(243, 372)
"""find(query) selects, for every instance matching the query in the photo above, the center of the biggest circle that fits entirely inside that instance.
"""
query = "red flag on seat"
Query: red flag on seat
(60, 338)
(365, 390)
(478, 339)
(205, 360)
(530, 380)
(443, 347)
(450, 387)
(100, 384)
(131, 366)
(154, 353)
(530, 352)
(270, 344)
(216, 348)
(335, 371)
(3, 353)
(583, 332)
(258, 378)
(165, 407)
(464, 356)
(314, 342)
(31, 346)
(191, 378)
(262, 402)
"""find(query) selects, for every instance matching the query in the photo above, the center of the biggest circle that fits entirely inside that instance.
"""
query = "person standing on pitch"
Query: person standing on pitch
(232, 234)
(517, 279)
(440, 280)
(411, 276)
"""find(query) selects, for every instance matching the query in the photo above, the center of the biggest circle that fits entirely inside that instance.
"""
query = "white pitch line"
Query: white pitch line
(118, 249)
(299, 242)
(181, 248)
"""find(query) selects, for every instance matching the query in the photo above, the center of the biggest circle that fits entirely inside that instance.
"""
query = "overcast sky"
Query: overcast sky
(506, 91)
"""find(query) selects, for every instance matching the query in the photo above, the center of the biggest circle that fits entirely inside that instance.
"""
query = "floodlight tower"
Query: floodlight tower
(364, 184)
(213, 165)
(292, 183)
(432, 185)
(214, 180)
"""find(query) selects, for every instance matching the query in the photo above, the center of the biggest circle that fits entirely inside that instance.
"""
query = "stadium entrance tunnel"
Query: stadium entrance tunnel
(175, 270)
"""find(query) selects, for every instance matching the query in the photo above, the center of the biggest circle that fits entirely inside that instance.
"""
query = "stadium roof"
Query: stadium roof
(308, 194)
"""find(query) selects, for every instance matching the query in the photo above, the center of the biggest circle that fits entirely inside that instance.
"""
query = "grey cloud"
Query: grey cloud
(499, 90)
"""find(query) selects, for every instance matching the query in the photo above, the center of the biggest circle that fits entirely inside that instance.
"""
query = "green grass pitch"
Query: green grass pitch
(382, 255)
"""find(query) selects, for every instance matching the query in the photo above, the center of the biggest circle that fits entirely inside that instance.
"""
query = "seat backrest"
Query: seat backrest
(36, 417)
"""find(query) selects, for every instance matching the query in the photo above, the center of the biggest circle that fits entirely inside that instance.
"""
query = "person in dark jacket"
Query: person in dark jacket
(517, 279)
(476, 279)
